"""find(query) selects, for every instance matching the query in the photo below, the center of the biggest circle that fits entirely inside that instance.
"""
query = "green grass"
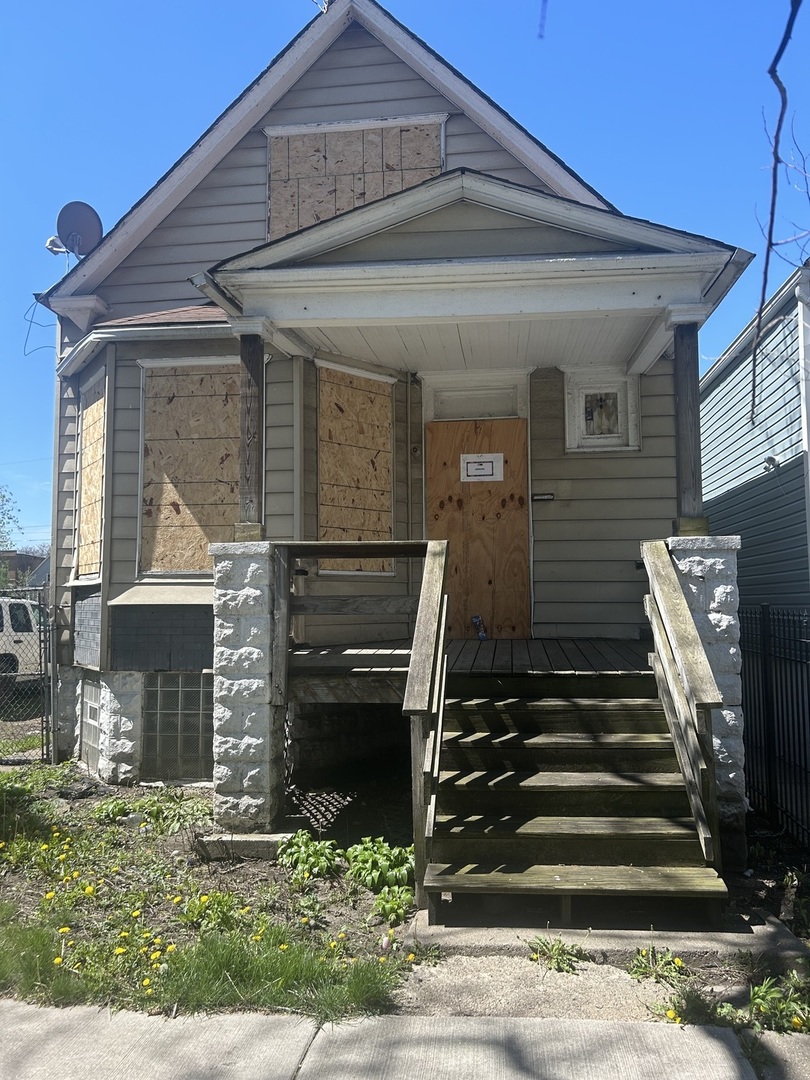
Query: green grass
(102, 912)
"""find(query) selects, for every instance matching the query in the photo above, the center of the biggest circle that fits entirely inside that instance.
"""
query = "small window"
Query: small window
(178, 726)
(20, 618)
(601, 412)
(90, 727)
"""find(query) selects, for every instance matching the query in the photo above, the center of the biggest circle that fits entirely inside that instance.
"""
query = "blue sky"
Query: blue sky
(662, 107)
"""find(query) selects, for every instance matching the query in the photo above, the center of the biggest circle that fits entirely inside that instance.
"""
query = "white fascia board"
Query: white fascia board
(454, 187)
(471, 101)
(500, 289)
(460, 272)
(221, 137)
(83, 352)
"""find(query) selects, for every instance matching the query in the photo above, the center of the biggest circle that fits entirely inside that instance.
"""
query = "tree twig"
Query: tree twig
(776, 161)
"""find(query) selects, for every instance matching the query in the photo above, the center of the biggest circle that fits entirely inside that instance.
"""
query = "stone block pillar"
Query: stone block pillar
(708, 569)
(248, 751)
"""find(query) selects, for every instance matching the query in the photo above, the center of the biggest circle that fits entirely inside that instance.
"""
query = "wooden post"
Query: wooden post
(690, 520)
(251, 473)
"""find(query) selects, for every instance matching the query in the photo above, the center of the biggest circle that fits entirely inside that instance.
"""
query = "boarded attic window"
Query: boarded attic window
(355, 463)
(316, 175)
(190, 465)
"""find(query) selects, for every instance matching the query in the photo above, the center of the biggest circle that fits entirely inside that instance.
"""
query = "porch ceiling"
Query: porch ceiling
(600, 341)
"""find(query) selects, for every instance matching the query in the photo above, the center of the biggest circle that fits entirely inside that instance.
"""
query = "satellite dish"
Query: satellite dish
(79, 227)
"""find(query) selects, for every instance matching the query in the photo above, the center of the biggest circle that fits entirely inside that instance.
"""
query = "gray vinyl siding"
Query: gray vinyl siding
(279, 469)
(357, 78)
(587, 581)
(733, 448)
(769, 514)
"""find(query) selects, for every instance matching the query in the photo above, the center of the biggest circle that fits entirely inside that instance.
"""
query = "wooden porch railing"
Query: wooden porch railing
(424, 690)
(687, 689)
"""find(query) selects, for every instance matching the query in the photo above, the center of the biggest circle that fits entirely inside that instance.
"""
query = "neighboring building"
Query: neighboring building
(755, 433)
(20, 569)
(394, 277)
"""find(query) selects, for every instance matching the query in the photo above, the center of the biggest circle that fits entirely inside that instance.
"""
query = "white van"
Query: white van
(20, 653)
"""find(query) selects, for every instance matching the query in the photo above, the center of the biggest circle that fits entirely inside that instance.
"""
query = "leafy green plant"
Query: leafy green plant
(556, 954)
(307, 857)
(658, 964)
(375, 864)
(393, 903)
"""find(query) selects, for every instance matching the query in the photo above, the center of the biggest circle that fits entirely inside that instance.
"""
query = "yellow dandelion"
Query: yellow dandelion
(70, 944)
(382, 959)
(157, 941)
(284, 947)
(204, 899)
(171, 948)
(305, 920)
(341, 936)
(43, 847)
(156, 955)
(796, 1021)
(89, 890)
(2, 844)
(244, 911)
(116, 870)
(143, 950)
(256, 937)
(678, 962)
(176, 899)
(155, 967)
(57, 960)
(332, 944)
(124, 933)
(50, 895)
(411, 957)
(120, 950)
(143, 825)
(643, 952)
(64, 929)
(149, 991)
(535, 956)
(146, 933)
(75, 874)
(61, 858)
(146, 982)
(136, 914)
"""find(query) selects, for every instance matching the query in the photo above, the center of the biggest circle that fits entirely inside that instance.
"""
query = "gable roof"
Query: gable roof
(260, 96)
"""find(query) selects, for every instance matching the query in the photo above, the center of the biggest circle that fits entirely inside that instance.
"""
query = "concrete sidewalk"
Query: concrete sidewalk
(92, 1044)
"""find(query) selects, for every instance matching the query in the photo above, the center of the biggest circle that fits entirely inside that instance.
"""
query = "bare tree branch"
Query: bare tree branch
(773, 71)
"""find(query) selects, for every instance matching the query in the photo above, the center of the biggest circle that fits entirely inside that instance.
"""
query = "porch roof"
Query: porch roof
(504, 276)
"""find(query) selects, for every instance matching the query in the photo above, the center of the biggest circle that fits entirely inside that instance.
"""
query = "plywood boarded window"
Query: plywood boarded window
(317, 175)
(91, 478)
(355, 463)
(190, 465)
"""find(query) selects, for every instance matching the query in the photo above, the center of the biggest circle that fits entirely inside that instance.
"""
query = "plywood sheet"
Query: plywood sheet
(313, 177)
(91, 469)
(486, 522)
(355, 462)
(190, 465)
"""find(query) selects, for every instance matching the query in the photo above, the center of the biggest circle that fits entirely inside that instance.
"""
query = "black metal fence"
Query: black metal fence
(24, 677)
(776, 705)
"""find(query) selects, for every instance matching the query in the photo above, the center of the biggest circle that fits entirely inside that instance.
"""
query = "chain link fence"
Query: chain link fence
(24, 676)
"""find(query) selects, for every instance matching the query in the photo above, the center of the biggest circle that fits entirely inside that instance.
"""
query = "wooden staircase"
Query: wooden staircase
(565, 797)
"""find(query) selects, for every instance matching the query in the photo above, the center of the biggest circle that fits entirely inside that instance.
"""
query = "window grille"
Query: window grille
(89, 734)
(178, 726)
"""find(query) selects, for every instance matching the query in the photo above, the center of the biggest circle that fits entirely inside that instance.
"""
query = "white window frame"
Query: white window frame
(577, 386)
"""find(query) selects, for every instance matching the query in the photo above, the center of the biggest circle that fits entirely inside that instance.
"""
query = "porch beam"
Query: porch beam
(690, 520)
(251, 473)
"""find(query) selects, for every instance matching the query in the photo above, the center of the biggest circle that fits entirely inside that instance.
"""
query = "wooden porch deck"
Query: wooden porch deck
(580, 656)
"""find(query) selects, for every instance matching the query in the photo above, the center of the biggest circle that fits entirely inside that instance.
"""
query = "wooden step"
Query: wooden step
(579, 751)
(556, 684)
(589, 715)
(637, 841)
(566, 793)
(508, 878)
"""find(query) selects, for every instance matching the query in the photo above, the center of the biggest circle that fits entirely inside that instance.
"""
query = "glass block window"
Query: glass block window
(89, 732)
(178, 726)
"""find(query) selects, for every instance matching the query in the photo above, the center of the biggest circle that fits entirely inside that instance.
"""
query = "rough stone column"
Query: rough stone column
(68, 713)
(248, 760)
(120, 723)
(708, 568)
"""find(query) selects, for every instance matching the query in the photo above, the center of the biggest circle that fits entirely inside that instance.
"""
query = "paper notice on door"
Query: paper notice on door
(481, 467)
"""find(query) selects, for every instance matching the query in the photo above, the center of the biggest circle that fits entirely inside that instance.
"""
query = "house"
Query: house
(755, 433)
(18, 569)
(367, 307)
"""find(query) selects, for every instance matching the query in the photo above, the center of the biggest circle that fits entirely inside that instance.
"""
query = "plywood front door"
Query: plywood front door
(486, 520)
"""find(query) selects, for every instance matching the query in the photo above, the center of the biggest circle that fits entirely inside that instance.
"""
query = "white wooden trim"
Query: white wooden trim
(577, 384)
(190, 361)
(355, 125)
(479, 380)
(361, 373)
(298, 447)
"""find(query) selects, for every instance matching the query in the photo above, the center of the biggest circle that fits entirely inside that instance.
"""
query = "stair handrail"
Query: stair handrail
(423, 701)
(687, 688)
